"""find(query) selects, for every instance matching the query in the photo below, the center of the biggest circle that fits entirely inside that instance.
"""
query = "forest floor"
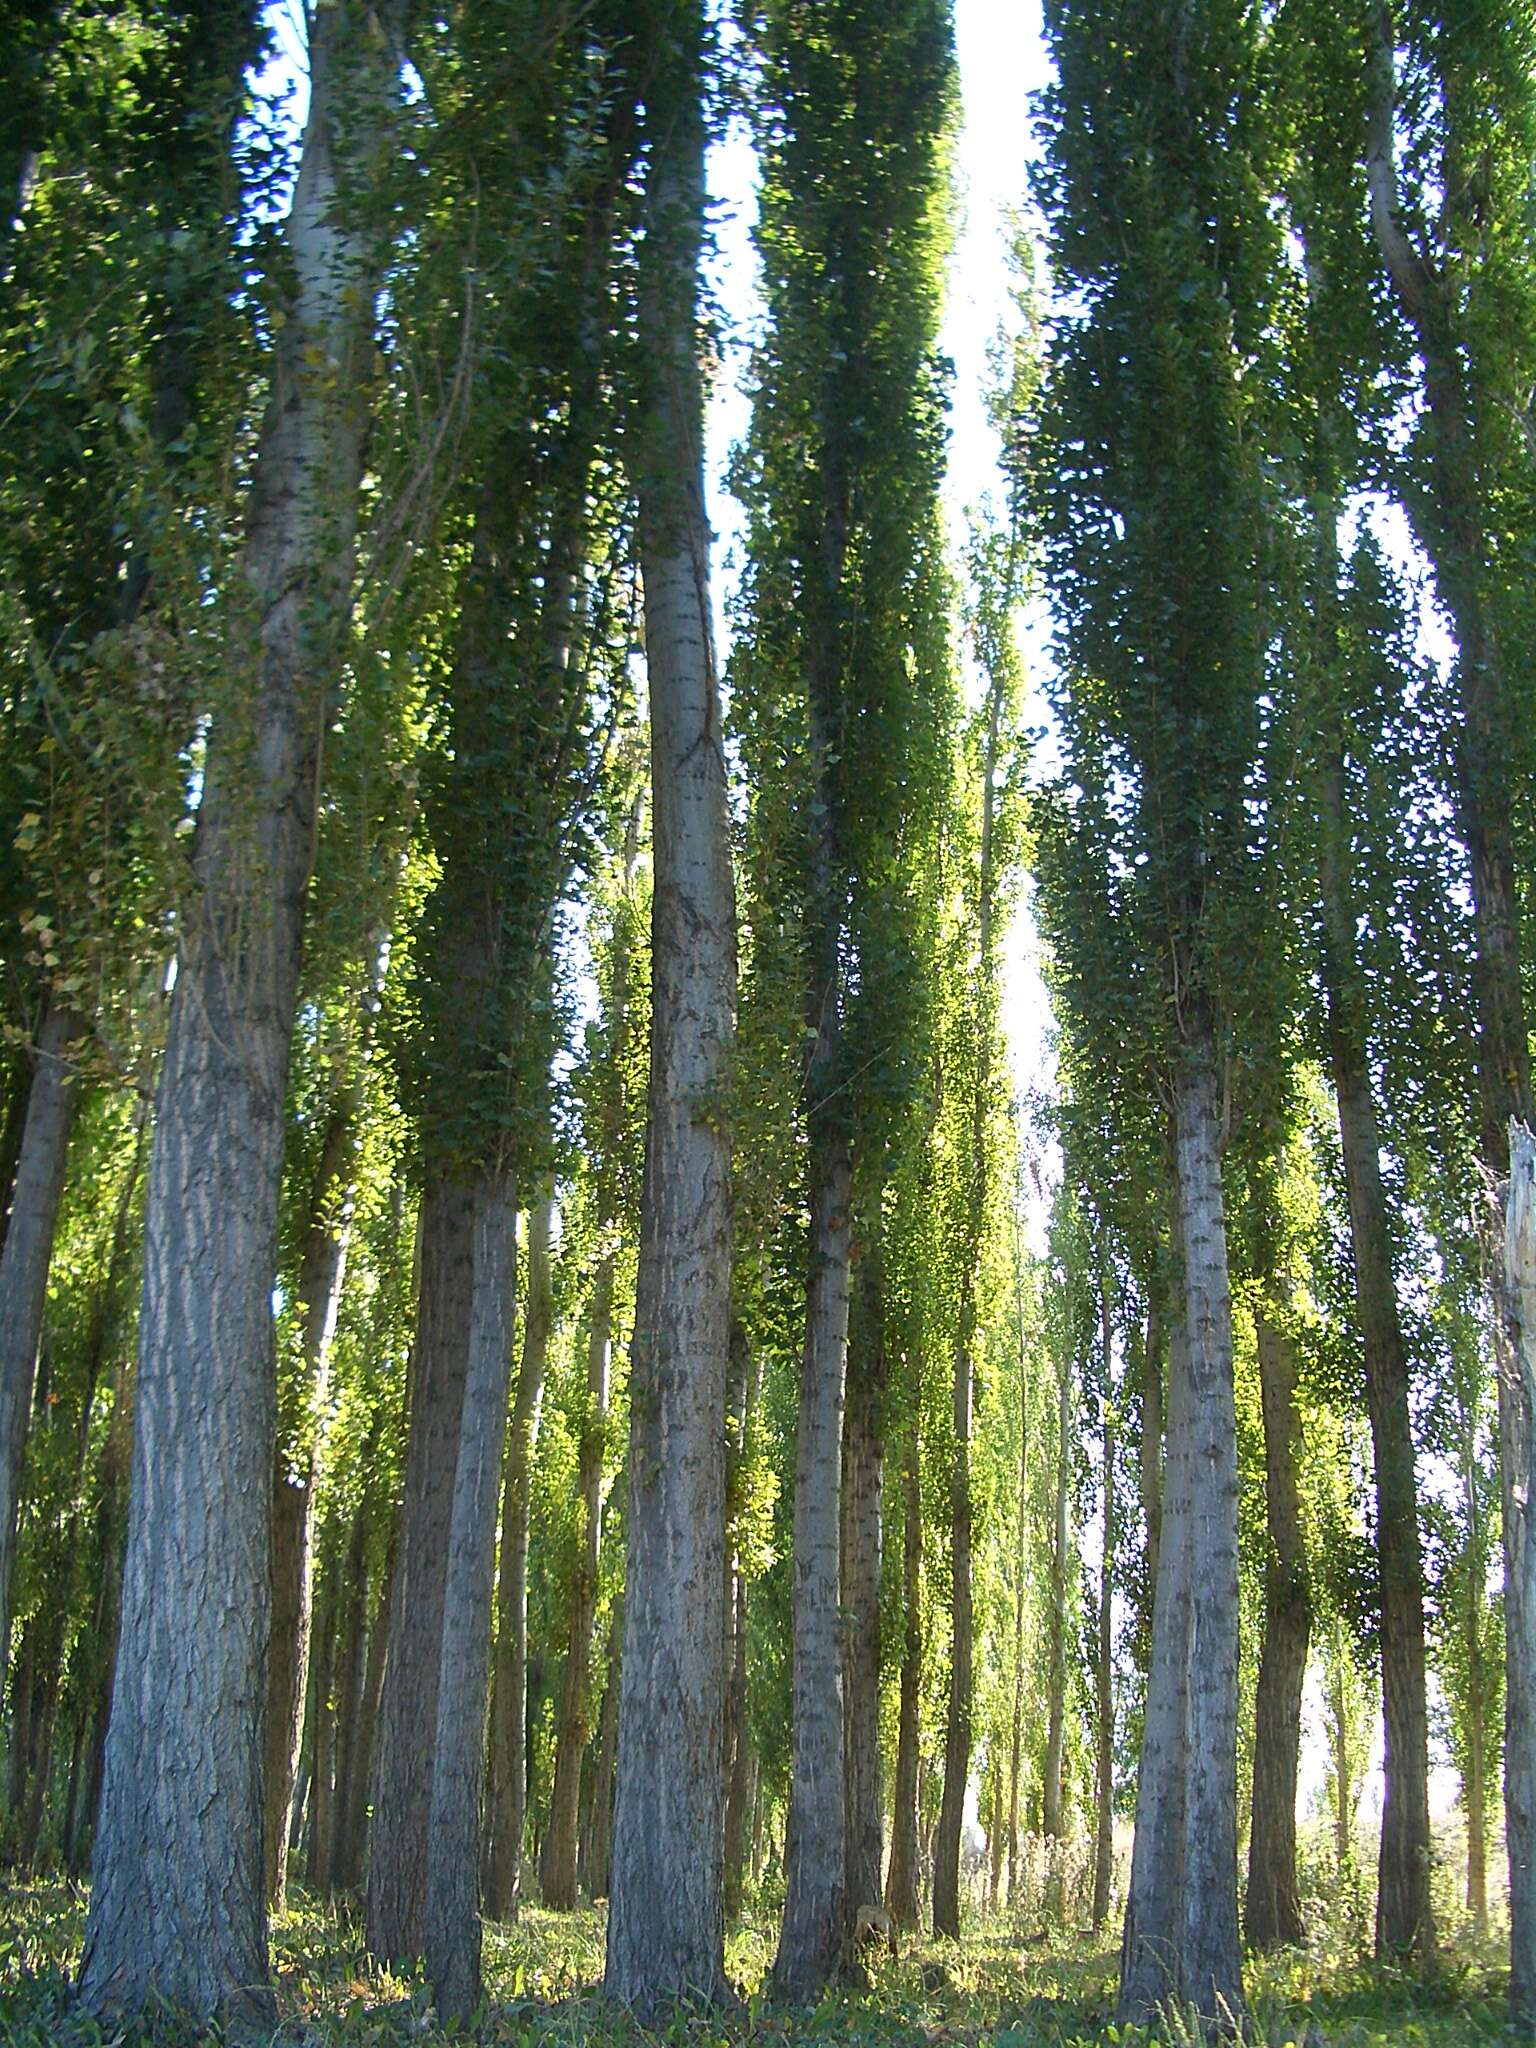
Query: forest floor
(992, 1990)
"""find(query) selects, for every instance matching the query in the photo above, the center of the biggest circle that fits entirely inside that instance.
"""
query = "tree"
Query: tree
(1150, 193)
(177, 1905)
(665, 1925)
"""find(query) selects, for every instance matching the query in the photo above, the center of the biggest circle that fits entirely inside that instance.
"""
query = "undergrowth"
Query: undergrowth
(996, 1989)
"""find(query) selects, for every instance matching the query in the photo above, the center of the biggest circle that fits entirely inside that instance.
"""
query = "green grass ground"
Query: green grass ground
(990, 1989)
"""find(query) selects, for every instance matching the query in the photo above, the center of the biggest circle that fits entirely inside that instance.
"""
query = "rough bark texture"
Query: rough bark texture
(740, 1759)
(452, 1919)
(178, 1903)
(1181, 1933)
(1404, 1913)
(509, 1712)
(1272, 1904)
(901, 1887)
(863, 1479)
(1152, 1449)
(1056, 1648)
(557, 1872)
(816, 1903)
(665, 1924)
(1020, 1552)
(595, 1848)
(1104, 1647)
(322, 1270)
(1520, 1572)
(53, 1100)
(962, 1655)
(402, 1764)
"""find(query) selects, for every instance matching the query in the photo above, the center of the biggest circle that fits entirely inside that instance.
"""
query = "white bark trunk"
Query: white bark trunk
(458, 1761)
(1518, 1409)
(1181, 1935)
(665, 1919)
(177, 1905)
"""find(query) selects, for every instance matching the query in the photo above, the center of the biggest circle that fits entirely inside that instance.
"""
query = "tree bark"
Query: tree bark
(1449, 518)
(901, 1890)
(962, 1658)
(1181, 1932)
(509, 1716)
(178, 1906)
(863, 1481)
(665, 1923)
(1051, 1818)
(1152, 1449)
(452, 1919)
(350, 1673)
(814, 1928)
(558, 1872)
(595, 1858)
(53, 1101)
(1272, 1906)
(740, 1771)
(1404, 1911)
(1104, 1659)
(402, 1765)
(1020, 1550)
(322, 1271)
(557, 1878)
(352, 1830)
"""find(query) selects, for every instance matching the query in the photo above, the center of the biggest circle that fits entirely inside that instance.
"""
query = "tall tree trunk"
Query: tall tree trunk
(814, 1928)
(595, 1857)
(352, 1825)
(962, 1655)
(1181, 1933)
(901, 1891)
(402, 1764)
(1152, 1449)
(1104, 1649)
(740, 1765)
(665, 1923)
(509, 1714)
(321, 1273)
(321, 1833)
(1404, 1911)
(1020, 1549)
(53, 1100)
(178, 1907)
(1051, 1817)
(1518, 1405)
(351, 1634)
(1272, 1906)
(863, 1480)
(557, 1876)
(1449, 518)
(452, 1921)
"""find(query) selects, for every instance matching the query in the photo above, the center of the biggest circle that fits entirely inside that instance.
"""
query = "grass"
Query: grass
(541, 1976)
